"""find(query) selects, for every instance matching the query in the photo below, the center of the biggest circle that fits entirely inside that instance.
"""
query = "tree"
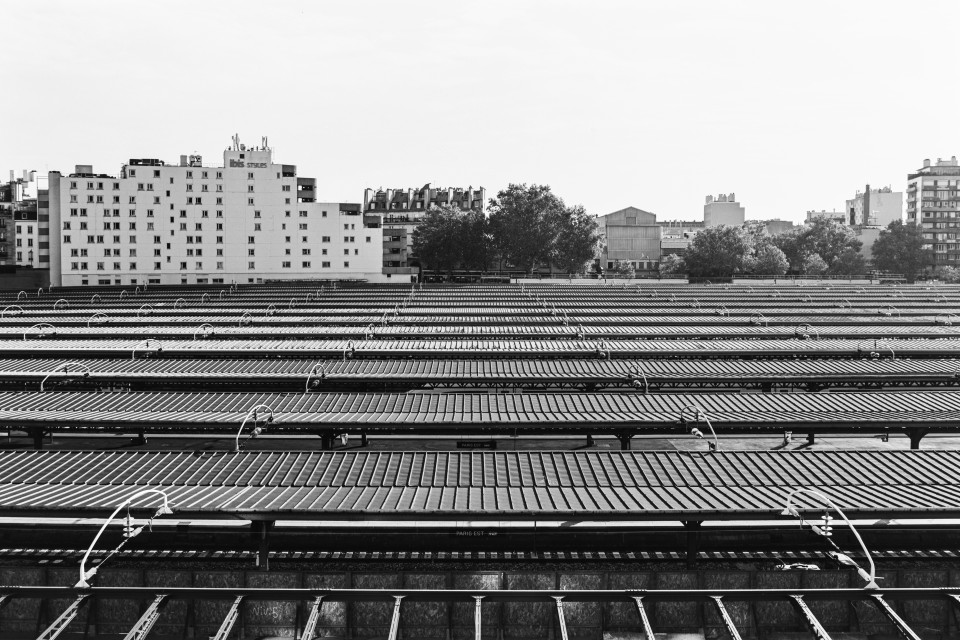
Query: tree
(949, 274)
(578, 241)
(814, 265)
(449, 237)
(824, 237)
(719, 251)
(475, 240)
(770, 260)
(849, 263)
(531, 227)
(436, 240)
(672, 265)
(623, 269)
(900, 249)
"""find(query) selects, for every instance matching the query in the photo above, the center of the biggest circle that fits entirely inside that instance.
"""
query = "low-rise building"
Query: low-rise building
(632, 235)
(838, 216)
(250, 220)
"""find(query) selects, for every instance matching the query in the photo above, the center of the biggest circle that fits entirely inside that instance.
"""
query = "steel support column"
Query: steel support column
(310, 628)
(812, 623)
(478, 618)
(644, 620)
(149, 618)
(725, 616)
(561, 619)
(227, 625)
(903, 630)
(59, 625)
(395, 620)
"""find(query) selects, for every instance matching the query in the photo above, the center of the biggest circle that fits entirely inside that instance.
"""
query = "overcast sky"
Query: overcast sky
(651, 104)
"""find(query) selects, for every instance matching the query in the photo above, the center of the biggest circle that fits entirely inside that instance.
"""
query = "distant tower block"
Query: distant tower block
(723, 210)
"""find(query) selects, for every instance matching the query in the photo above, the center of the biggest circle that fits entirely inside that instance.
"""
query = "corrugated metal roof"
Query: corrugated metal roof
(615, 485)
(632, 411)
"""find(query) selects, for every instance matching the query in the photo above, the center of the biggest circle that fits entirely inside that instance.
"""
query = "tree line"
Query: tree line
(824, 247)
(529, 227)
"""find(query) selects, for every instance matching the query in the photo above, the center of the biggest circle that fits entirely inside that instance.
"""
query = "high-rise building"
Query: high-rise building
(250, 220)
(874, 207)
(933, 203)
(401, 211)
(723, 210)
(632, 235)
(23, 222)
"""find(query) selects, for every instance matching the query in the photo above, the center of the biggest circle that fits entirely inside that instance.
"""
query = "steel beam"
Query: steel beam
(725, 616)
(644, 620)
(561, 619)
(227, 625)
(478, 618)
(903, 630)
(59, 625)
(812, 623)
(395, 620)
(149, 618)
(310, 628)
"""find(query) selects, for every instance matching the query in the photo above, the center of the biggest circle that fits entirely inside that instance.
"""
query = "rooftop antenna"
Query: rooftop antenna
(264, 142)
(236, 142)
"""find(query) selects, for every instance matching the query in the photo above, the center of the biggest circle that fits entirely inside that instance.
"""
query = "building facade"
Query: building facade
(723, 210)
(632, 235)
(933, 203)
(249, 220)
(838, 216)
(400, 211)
(24, 210)
(874, 207)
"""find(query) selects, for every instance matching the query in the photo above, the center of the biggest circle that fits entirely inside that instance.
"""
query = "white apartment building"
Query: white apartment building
(248, 221)
(933, 204)
(874, 207)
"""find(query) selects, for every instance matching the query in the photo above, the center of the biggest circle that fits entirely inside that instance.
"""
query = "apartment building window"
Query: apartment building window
(219, 253)
(256, 227)
(346, 252)
(356, 252)
(156, 266)
(156, 173)
(83, 226)
(219, 241)
(303, 226)
(283, 226)
(346, 227)
(251, 239)
(183, 226)
(306, 264)
(346, 265)
(132, 213)
(249, 188)
(73, 266)
(100, 267)
(116, 199)
(368, 238)
(66, 226)
(286, 201)
(204, 214)
(133, 239)
(219, 201)
(116, 266)
(286, 265)
(303, 238)
(325, 265)
(156, 239)
(189, 186)
(89, 199)
(99, 239)
(183, 266)
(198, 226)
(84, 266)
(66, 239)
(305, 252)
(140, 186)
(251, 252)
(116, 239)
(199, 266)
(183, 213)
(156, 253)
(220, 188)
(303, 214)
(219, 175)
(219, 265)
(323, 214)
(133, 266)
(250, 175)
(73, 185)
(73, 198)
(219, 226)
(133, 226)
(287, 238)
(286, 252)
(250, 265)
(156, 200)
(286, 214)
(219, 213)
(256, 214)
(249, 202)
(285, 187)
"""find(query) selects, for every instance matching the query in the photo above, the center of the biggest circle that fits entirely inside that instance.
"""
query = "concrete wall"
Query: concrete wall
(519, 621)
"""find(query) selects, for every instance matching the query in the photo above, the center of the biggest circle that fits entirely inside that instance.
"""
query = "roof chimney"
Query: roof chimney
(926, 162)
